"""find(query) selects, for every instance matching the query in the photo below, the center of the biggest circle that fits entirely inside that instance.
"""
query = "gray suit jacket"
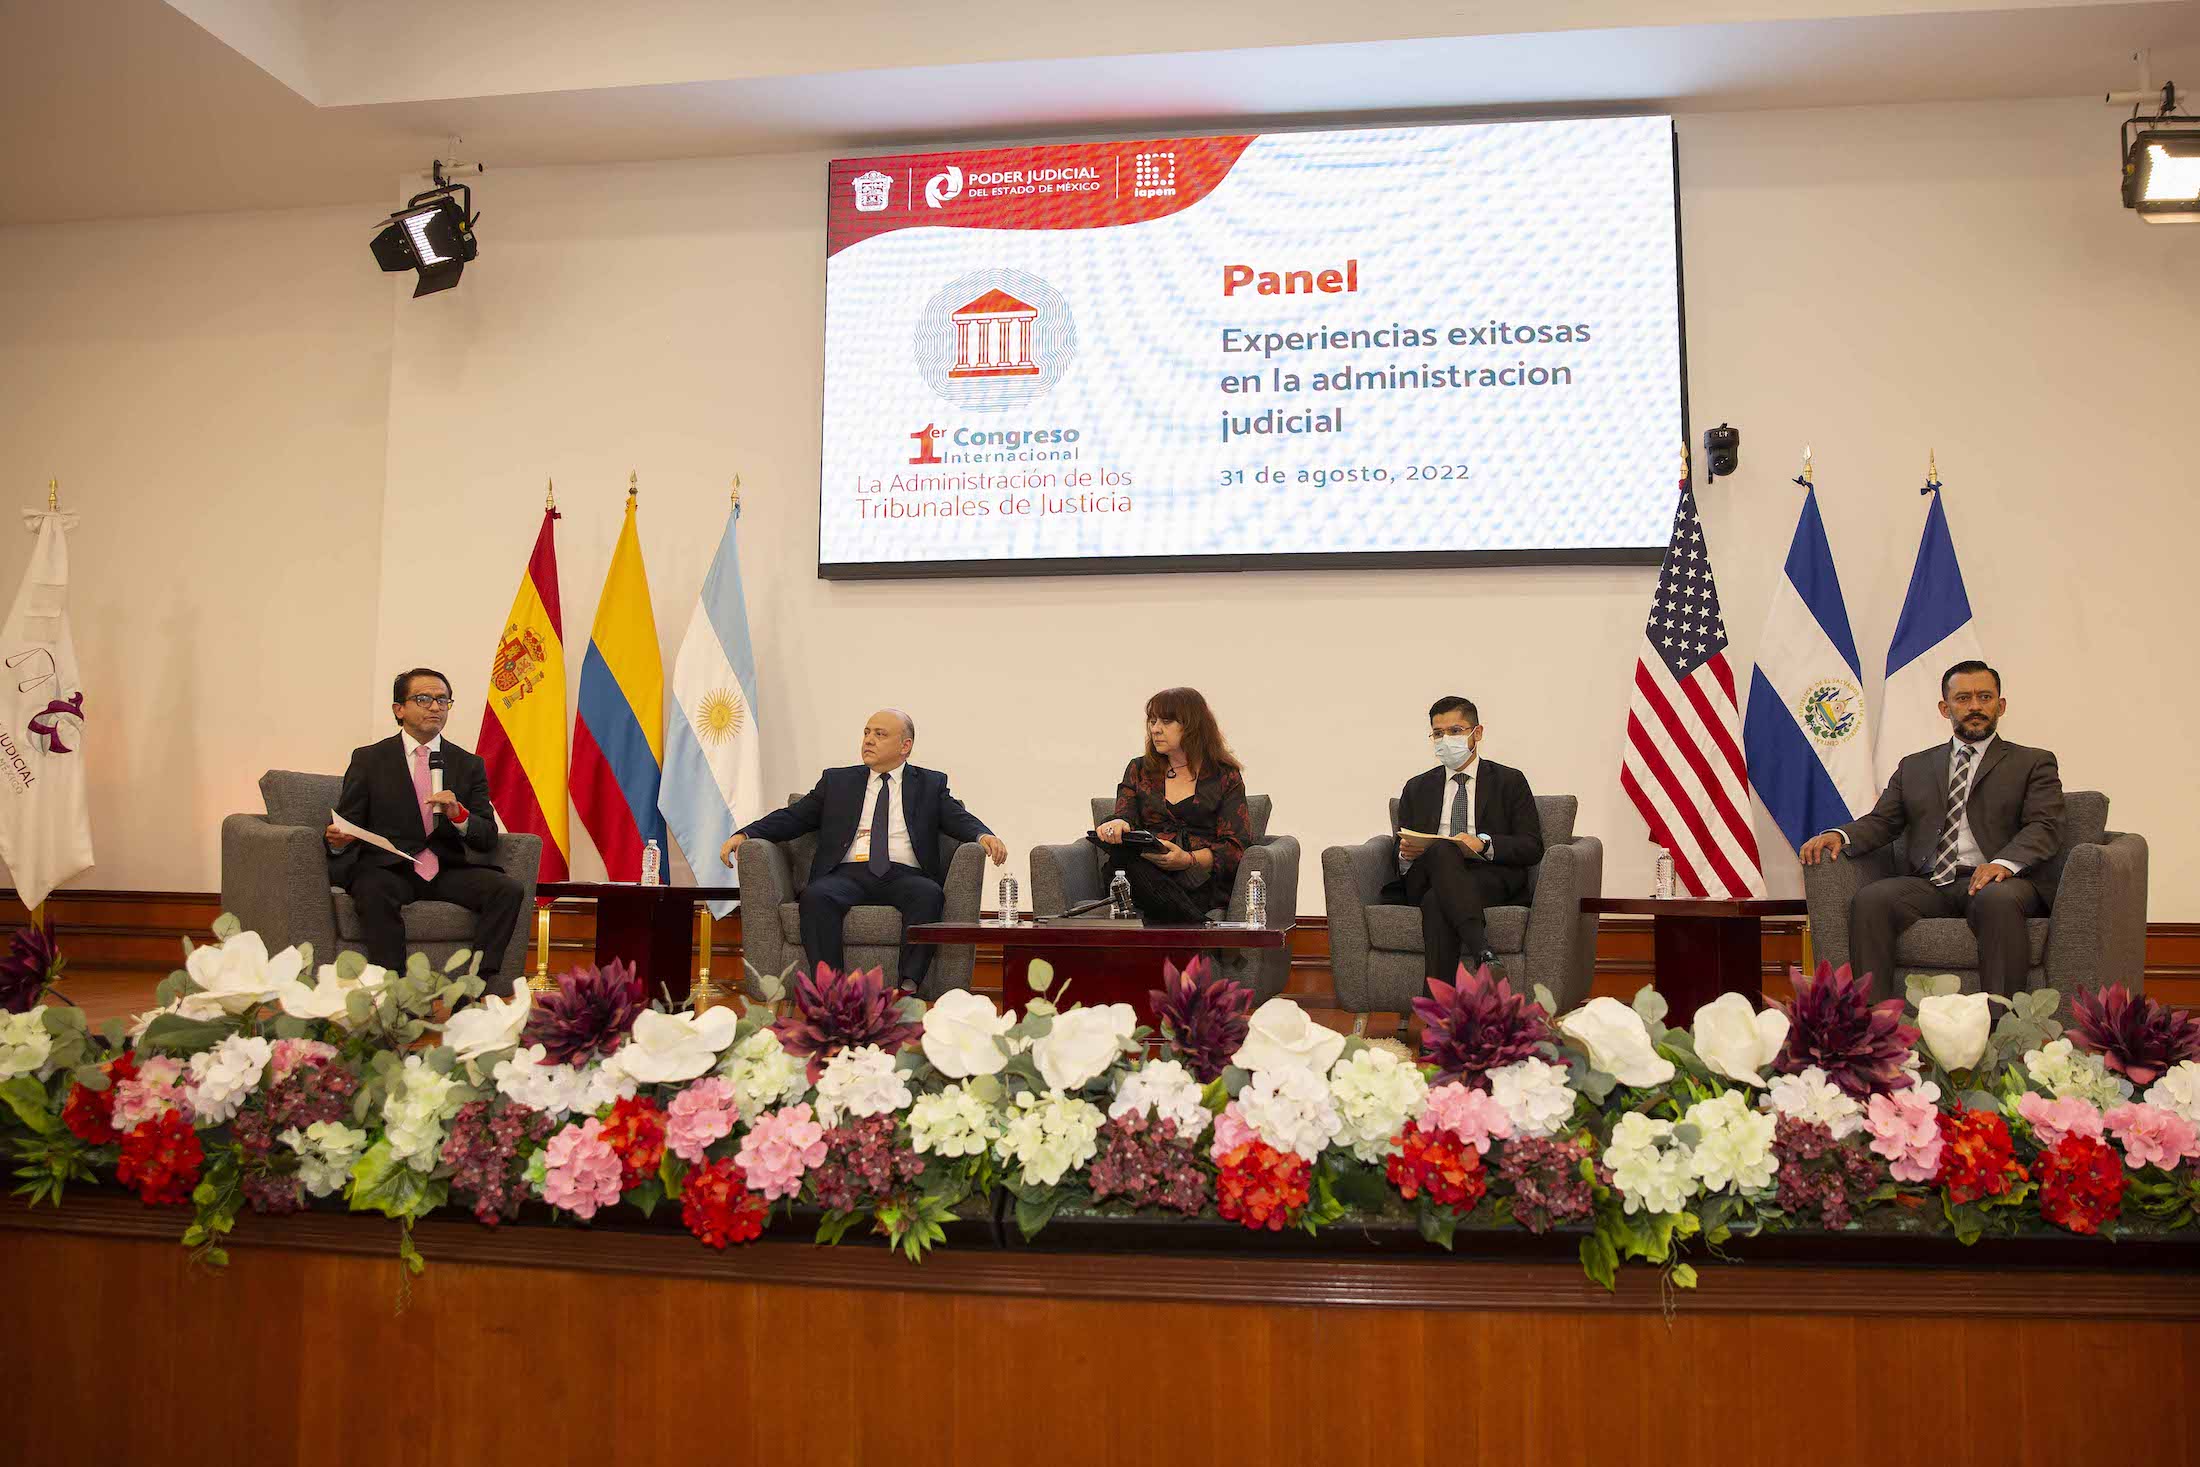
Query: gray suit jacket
(2015, 809)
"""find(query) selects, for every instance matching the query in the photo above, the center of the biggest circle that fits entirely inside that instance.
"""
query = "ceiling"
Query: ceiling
(119, 108)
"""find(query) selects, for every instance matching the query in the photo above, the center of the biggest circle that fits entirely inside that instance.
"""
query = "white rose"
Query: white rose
(24, 1043)
(1282, 1035)
(486, 1025)
(860, 1082)
(1082, 1045)
(1737, 1041)
(668, 1049)
(960, 1033)
(239, 973)
(1955, 1026)
(327, 997)
(1617, 1042)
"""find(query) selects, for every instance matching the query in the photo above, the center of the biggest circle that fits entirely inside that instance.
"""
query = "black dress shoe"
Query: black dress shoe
(1488, 960)
(908, 986)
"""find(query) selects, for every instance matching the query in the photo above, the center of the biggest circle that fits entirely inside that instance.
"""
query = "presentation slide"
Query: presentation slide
(1428, 344)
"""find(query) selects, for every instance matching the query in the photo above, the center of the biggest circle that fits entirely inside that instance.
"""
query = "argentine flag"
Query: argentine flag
(1810, 759)
(1933, 634)
(713, 777)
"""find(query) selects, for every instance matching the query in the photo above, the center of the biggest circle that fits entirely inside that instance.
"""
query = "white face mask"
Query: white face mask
(1454, 750)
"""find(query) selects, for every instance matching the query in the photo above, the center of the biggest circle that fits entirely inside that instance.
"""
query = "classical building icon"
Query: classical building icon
(993, 337)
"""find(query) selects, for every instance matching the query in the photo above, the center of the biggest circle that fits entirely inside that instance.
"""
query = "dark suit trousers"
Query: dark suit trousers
(1884, 910)
(381, 893)
(1158, 894)
(1452, 889)
(825, 903)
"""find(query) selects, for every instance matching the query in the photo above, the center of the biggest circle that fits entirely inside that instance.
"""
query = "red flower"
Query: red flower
(1262, 1187)
(1977, 1155)
(718, 1206)
(636, 1131)
(161, 1160)
(1440, 1164)
(2081, 1184)
(90, 1114)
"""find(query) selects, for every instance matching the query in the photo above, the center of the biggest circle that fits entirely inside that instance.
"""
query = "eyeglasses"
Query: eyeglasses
(429, 701)
(1455, 731)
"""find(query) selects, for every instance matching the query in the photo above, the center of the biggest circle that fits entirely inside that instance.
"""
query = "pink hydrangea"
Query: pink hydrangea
(1469, 1113)
(289, 1054)
(580, 1171)
(156, 1089)
(699, 1115)
(2051, 1120)
(782, 1145)
(1905, 1129)
(2152, 1136)
(1231, 1131)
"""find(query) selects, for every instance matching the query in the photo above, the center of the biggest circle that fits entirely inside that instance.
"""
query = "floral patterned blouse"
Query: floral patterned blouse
(1213, 817)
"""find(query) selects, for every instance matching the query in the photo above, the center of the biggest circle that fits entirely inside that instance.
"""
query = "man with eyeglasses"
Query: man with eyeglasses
(1468, 834)
(430, 799)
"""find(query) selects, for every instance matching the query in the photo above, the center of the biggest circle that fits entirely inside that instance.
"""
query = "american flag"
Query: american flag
(1683, 766)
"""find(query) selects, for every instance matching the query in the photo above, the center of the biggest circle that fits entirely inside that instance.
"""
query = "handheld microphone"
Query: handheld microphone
(435, 769)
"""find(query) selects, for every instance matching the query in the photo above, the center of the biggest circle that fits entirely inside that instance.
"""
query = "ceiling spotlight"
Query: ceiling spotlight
(432, 235)
(2160, 154)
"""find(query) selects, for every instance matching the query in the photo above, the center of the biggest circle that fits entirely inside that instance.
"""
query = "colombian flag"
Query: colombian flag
(619, 731)
(523, 718)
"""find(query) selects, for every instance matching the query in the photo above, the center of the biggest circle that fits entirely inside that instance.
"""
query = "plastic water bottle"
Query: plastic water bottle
(1008, 901)
(1119, 897)
(652, 865)
(1662, 878)
(1256, 901)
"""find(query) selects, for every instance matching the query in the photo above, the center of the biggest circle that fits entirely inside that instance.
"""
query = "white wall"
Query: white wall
(1871, 281)
(213, 393)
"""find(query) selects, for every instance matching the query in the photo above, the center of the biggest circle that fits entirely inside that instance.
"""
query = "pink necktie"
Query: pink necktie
(425, 863)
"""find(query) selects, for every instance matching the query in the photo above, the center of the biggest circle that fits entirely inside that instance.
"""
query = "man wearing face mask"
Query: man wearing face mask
(1468, 834)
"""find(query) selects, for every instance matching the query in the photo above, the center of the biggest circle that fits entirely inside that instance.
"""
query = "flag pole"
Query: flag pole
(1932, 473)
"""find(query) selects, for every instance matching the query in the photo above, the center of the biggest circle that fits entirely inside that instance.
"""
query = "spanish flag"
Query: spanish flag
(523, 719)
(619, 730)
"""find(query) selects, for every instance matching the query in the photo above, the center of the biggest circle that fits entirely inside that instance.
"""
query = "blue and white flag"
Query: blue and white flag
(1933, 634)
(713, 775)
(1810, 759)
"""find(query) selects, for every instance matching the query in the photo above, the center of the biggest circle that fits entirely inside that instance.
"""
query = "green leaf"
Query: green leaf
(1546, 1000)
(1437, 1224)
(381, 1183)
(288, 1027)
(1599, 1261)
(174, 986)
(1684, 1276)
(1650, 1004)
(27, 1098)
(113, 1030)
(91, 1077)
(174, 1034)
(227, 926)
(646, 1195)
(358, 1005)
(1034, 1213)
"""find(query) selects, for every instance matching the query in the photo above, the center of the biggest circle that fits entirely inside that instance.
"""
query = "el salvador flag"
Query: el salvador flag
(713, 776)
(1933, 634)
(1810, 759)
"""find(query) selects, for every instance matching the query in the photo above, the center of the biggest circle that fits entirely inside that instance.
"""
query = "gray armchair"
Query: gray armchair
(1375, 950)
(275, 880)
(1064, 875)
(771, 917)
(2095, 935)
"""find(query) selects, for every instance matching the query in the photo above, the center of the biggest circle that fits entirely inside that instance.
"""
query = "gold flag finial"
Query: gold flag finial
(53, 495)
(1684, 456)
(736, 491)
(633, 483)
(1932, 467)
(1806, 465)
(549, 494)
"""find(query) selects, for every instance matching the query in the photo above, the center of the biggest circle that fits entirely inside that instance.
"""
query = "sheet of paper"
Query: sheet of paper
(361, 833)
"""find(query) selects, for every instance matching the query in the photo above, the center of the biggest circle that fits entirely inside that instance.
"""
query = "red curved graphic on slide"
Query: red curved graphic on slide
(1062, 186)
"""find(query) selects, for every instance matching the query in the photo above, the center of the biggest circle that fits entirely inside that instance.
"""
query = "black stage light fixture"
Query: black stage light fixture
(1722, 451)
(433, 235)
(2162, 168)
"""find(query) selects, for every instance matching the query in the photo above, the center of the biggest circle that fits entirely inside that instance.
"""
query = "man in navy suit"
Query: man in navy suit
(430, 799)
(878, 827)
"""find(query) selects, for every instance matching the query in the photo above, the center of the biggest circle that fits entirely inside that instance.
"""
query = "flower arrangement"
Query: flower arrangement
(262, 1083)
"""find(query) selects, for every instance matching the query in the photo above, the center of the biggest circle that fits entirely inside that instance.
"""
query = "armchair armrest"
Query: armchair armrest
(1352, 881)
(520, 857)
(1064, 875)
(1561, 938)
(2097, 928)
(275, 882)
(1828, 890)
(1276, 859)
(765, 883)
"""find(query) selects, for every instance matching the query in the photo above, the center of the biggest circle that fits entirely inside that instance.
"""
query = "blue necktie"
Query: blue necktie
(878, 861)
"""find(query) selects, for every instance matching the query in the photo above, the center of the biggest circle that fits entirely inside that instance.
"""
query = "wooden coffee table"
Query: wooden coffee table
(1105, 962)
(1702, 947)
(652, 927)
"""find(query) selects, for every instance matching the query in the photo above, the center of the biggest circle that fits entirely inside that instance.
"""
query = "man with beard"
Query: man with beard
(1982, 823)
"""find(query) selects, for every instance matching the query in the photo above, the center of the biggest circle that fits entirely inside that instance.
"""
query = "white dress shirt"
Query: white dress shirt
(898, 848)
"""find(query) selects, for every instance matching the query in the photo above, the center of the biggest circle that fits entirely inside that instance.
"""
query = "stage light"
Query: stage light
(2162, 172)
(432, 235)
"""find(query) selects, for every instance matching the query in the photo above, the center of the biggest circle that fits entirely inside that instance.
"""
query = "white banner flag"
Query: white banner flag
(45, 825)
